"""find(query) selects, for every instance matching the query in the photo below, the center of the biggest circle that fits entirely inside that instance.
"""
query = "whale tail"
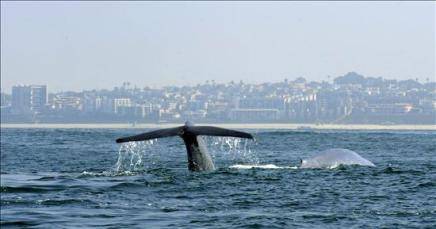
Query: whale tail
(181, 130)
(217, 131)
(163, 133)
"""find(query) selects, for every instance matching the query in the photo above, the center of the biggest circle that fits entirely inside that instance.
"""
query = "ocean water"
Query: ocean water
(60, 178)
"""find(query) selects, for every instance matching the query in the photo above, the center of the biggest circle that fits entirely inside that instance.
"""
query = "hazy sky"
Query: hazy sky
(85, 45)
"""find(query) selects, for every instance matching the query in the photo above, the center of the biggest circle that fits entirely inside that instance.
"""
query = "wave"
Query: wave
(30, 189)
(125, 185)
(18, 223)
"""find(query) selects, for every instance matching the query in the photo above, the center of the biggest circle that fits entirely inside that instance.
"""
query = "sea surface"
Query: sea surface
(68, 178)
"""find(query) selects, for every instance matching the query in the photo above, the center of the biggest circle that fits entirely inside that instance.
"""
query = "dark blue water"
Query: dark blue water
(71, 178)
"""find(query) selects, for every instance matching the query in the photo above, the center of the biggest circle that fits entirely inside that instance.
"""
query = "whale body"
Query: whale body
(199, 158)
(334, 157)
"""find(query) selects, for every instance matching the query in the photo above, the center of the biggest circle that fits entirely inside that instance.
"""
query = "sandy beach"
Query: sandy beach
(277, 126)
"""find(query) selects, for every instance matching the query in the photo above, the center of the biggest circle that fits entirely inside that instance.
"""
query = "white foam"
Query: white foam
(107, 173)
(267, 166)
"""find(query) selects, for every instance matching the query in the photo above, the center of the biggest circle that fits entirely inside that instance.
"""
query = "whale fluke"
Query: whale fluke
(198, 157)
(163, 133)
(216, 131)
(178, 131)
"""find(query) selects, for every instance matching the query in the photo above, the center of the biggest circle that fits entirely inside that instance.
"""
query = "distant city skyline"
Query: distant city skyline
(352, 98)
(132, 85)
(98, 45)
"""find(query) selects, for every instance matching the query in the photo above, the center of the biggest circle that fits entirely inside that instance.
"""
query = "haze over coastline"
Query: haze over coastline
(90, 45)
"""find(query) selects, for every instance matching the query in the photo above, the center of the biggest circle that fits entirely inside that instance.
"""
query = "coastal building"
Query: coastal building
(67, 104)
(29, 99)
(38, 98)
(121, 103)
(5, 99)
(389, 109)
(251, 115)
(21, 99)
(262, 103)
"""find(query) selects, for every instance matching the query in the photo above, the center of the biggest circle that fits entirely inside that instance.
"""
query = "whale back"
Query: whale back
(334, 157)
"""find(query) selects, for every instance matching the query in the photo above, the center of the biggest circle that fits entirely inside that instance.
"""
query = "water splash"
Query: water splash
(132, 155)
(141, 155)
(232, 149)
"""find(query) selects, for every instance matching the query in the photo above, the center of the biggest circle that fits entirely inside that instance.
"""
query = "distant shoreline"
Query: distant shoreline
(278, 126)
